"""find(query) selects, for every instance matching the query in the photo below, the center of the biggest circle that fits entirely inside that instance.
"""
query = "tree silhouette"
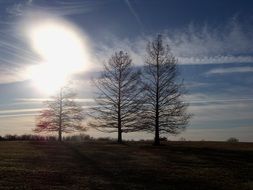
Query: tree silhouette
(165, 112)
(62, 115)
(118, 99)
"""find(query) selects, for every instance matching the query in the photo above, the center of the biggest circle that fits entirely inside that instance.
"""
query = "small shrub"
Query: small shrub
(232, 140)
(104, 139)
(10, 137)
(163, 139)
(182, 139)
(78, 138)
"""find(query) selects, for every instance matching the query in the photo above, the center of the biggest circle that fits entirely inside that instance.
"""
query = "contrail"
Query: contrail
(222, 100)
(134, 13)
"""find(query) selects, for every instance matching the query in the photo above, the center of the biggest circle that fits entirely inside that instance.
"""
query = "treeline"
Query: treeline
(75, 138)
(86, 138)
(149, 99)
(29, 137)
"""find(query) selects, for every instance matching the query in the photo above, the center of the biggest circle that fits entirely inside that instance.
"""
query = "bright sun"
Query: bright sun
(62, 51)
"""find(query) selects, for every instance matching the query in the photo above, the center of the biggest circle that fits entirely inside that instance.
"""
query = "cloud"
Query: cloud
(230, 70)
(243, 133)
(17, 125)
(215, 59)
(230, 43)
(32, 100)
(57, 8)
(16, 9)
(19, 110)
(134, 13)
(16, 55)
(18, 115)
(8, 75)
(196, 84)
(203, 98)
(31, 106)
(36, 100)
(218, 108)
(135, 48)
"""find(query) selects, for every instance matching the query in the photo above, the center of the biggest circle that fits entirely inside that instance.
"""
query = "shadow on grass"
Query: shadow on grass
(103, 165)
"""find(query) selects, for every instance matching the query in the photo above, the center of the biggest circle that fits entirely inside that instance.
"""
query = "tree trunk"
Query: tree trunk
(119, 125)
(60, 136)
(60, 118)
(119, 110)
(157, 138)
(119, 136)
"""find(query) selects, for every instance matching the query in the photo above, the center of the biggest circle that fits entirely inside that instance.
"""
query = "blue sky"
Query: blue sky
(211, 39)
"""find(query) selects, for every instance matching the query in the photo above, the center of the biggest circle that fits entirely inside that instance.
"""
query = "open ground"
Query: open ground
(134, 165)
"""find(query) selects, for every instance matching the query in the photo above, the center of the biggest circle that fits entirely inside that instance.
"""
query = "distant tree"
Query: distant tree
(118, 98)
(80, 138)
(10, 137)
(232, 140)
(182, 139)
(62, 115)
(165, 111)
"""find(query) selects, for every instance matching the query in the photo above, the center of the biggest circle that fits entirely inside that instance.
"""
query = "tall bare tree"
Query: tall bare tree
(165, 112)
(62, 115)
(119, 97)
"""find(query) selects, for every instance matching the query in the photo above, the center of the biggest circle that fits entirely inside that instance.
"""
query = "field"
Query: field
(106, 165)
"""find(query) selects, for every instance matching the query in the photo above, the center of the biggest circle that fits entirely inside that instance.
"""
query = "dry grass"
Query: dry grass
(101, 165)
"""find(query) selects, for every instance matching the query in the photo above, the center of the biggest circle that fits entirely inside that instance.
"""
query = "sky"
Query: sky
(211, 39)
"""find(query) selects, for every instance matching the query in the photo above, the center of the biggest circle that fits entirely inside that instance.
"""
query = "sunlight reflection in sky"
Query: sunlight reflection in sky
(62, 50)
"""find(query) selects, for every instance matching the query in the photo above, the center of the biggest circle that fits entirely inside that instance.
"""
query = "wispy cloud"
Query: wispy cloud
(230, 70)
(18, 115)
(31, 111)
(218, 98)
(32, 106)
(19, 110)
(59, 8)
(134, 13)
(196, 84)
(16, 54)
(243, 133)
(229, 43)
(35, 100)
(219, 107)
(221, 111)
(215, 59)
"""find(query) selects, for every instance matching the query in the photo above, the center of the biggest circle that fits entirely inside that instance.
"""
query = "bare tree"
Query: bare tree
(165, 112)
(62, 115)
(119, 97)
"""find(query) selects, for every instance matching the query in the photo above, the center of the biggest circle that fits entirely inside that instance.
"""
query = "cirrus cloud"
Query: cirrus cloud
(230, 70)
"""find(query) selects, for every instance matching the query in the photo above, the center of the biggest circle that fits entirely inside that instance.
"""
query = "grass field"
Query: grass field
(104, 165)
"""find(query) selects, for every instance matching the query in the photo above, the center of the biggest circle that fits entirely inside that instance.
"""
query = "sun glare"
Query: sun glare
(62, 51)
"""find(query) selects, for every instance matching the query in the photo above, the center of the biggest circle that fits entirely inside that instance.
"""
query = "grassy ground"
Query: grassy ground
(97, 165)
